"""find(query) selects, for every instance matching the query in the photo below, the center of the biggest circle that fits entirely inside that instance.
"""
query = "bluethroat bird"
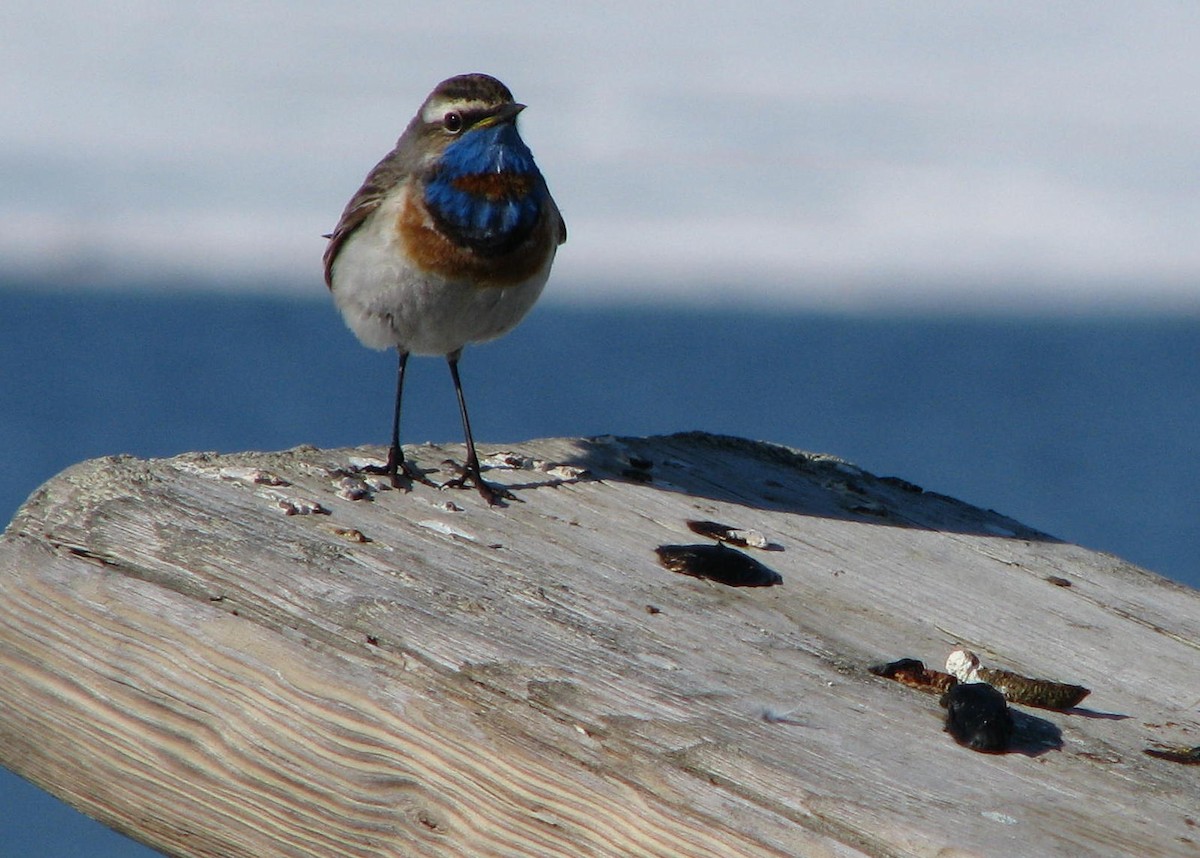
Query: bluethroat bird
(449, 241)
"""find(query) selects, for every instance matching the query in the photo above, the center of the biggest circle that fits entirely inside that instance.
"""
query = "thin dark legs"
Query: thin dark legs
(397, 467)
(470, 469)
(395, 462)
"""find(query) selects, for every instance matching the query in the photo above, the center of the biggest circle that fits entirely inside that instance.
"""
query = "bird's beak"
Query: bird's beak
(504, 113)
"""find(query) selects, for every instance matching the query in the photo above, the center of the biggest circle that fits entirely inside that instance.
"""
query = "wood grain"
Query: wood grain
(417, 674)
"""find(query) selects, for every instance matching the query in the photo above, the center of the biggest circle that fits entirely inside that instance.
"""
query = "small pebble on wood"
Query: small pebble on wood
(726, 533)
(977, 717)
(718, 563)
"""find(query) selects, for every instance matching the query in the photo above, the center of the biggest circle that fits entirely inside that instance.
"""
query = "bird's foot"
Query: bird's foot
(467, 476)
(402, 472)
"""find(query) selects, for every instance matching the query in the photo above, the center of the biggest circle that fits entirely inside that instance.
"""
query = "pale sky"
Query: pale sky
(827, 154)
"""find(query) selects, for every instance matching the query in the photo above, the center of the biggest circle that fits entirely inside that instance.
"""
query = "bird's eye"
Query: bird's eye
(453, 122)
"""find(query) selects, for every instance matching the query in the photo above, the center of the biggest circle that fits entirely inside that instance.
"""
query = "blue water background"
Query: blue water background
(1084, 427)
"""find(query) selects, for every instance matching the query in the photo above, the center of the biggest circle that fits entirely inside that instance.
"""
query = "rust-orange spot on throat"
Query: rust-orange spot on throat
(434, 252)
(495, 186)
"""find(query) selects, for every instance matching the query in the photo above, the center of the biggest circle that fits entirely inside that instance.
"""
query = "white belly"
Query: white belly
(388, 303)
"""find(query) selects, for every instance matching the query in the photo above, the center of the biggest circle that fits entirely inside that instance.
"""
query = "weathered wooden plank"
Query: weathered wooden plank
(418, 674)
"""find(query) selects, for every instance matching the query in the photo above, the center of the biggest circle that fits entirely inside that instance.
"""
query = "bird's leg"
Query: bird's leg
(470, 469)
(397, 467)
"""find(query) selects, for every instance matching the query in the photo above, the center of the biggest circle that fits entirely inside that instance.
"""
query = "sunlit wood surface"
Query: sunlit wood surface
(271, 654)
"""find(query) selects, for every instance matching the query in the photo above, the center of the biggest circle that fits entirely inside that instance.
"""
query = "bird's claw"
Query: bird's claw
(402, 473)
(470, 476)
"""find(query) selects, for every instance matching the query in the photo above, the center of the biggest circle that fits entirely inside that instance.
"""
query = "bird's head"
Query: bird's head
(464, 117)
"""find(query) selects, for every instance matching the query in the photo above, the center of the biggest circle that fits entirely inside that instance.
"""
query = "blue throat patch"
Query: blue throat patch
(486, 192)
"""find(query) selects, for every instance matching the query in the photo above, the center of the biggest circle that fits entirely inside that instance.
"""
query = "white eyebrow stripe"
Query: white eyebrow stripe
(439, 107)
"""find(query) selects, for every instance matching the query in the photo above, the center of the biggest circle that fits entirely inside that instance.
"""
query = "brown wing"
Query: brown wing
(562, 224)
(383, 178)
